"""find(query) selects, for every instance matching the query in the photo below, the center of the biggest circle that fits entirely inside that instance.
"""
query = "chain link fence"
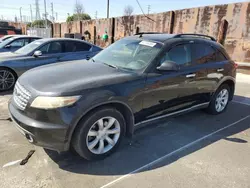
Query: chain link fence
(40, 32)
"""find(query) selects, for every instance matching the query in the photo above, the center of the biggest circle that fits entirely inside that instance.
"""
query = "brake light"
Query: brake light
(235, 65)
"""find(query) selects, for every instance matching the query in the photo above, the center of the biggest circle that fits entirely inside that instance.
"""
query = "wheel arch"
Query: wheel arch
(12, 70)
(230, 81)
(122, 107)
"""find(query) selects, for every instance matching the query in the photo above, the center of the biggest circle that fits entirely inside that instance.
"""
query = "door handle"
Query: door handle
(220, 70)
(190, 75)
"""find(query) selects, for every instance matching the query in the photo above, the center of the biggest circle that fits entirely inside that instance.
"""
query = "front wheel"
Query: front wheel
(99, 134)
(220, 100)
(7, 79)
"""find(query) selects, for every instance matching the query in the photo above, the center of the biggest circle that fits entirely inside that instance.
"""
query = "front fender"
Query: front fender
(93, 100)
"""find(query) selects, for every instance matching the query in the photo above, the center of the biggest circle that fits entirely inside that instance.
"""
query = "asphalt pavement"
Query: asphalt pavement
(192, 150)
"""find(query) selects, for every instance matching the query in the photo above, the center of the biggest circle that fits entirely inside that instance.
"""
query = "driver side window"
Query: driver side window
(51, 48)
(180, 54)
(44, 49)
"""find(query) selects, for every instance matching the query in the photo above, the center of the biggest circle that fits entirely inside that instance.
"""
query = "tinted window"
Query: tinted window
(220, 56)
(81, 46)
(70, 46)
(55, 47)
(45, 49)
(51, 48)
(179, 54)
(202, 53)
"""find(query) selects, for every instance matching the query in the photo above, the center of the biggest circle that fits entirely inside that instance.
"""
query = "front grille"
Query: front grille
(21, 96)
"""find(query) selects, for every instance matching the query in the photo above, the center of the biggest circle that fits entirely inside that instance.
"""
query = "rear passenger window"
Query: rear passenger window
(70, 46)
(81, 46)
(220, 56)
(202, 53)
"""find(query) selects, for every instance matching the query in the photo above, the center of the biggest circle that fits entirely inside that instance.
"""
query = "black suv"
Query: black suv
(91, 105)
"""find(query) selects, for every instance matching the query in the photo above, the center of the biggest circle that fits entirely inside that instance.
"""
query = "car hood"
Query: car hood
(68, 77)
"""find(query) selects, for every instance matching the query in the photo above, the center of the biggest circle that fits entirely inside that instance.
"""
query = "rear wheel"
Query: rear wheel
(219, 100)
(7, 79)
(99, 134)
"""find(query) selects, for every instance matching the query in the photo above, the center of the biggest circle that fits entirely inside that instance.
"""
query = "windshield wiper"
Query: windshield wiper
(113, 66)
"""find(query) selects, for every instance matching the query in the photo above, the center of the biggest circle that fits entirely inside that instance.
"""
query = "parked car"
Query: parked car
(41, 52)
(91, 106)
(14, 43)
(7, 37)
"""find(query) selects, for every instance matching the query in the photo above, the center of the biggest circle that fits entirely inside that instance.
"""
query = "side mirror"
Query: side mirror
(8, 46)
(168, 66)
(37, 53)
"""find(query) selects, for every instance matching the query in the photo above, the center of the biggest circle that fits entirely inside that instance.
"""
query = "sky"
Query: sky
(10, 8)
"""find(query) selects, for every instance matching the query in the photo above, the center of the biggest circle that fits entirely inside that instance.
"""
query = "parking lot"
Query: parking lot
(192, 150)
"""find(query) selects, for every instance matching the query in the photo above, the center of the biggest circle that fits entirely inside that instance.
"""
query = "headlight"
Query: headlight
(53, 102)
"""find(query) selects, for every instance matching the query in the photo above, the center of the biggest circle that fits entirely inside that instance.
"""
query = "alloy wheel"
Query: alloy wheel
(221, 100)
(103, 135)
(7, 80)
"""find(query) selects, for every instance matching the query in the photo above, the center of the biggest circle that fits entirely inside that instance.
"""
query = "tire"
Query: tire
(88, 144)
(7, 79)
(213, 105)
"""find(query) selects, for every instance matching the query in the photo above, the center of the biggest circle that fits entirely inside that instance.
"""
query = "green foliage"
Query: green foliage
(76, 17)
(40, 23)
(29, 24)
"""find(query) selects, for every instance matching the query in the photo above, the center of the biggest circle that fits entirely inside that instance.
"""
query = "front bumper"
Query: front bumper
(47, 135)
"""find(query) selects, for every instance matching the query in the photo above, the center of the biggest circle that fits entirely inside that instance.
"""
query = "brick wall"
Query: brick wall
(205, 20)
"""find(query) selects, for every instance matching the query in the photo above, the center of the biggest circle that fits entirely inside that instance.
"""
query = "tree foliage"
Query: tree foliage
(39, 23)
(78, 13)
(128, 10)
(76, 17)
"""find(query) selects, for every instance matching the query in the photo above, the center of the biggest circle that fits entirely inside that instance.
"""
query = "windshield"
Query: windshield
(7, 41)
(132, 54)
(29, 47)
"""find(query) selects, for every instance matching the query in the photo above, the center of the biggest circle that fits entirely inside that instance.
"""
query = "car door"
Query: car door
(171, 91)
(218, 67)
(51, 53)
(17, 43)
(75, 50)
(206, 56)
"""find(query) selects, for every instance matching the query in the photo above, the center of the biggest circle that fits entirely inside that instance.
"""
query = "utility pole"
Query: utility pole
(56, 16)
(107, 8)
(20, 14)
(31, 15)
(149, 8)
(52, 12)
(37, 10)
(96, 14)
(45, 14)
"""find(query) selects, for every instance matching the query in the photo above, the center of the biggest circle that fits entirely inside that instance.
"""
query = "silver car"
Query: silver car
(41, 52)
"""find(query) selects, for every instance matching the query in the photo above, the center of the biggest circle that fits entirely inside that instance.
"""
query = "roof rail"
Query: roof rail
(142, 33)
(195, 35)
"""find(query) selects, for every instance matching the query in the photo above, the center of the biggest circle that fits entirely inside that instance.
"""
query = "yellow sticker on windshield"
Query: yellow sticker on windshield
(147, 43)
